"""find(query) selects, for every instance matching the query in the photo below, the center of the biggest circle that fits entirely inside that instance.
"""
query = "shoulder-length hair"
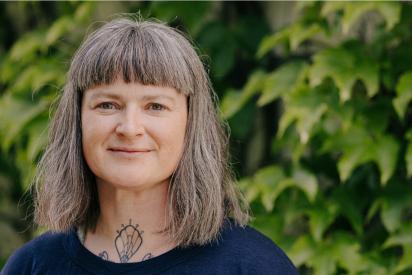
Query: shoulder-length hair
(202, 192)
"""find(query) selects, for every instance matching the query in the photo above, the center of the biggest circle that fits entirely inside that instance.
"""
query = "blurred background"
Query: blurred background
(316, 94)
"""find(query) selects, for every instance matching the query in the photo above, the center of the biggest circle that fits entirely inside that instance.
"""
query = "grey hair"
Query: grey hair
(202, 190)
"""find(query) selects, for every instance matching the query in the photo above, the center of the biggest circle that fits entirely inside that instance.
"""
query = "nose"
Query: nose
(130, 123)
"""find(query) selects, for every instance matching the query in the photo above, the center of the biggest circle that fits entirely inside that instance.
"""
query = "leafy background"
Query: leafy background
(317, 96)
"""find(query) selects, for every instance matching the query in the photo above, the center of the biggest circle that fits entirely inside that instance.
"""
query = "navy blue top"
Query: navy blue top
(238, 251)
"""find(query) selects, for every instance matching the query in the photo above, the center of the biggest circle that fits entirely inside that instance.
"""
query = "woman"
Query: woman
(135, 178)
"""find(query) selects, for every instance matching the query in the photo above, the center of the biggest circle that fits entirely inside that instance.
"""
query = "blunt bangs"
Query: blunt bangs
(144, 52)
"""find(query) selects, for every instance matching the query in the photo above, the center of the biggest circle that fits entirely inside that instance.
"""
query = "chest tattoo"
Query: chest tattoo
(128, 241)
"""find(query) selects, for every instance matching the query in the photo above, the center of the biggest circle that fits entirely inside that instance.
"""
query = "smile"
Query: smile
(129, 152)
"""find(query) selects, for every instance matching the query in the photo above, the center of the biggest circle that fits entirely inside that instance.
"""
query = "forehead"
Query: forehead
(121, 89)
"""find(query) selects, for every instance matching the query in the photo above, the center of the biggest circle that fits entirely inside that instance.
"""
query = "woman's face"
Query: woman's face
(133, 134)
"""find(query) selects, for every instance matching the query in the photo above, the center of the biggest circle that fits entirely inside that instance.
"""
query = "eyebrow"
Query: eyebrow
(116, 96)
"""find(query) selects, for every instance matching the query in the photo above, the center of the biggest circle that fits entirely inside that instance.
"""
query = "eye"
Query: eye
(156, 107)
(106, 106)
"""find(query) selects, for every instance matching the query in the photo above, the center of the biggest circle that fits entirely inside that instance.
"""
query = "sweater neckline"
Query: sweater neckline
(83, 257)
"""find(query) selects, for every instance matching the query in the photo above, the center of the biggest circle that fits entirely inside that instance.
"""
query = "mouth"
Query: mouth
(129, 151)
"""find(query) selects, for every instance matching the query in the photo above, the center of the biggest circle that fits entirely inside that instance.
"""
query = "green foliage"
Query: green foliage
(319, 110)
(338, 124)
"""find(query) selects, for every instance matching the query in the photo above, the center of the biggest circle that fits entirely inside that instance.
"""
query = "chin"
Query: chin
(131, 183)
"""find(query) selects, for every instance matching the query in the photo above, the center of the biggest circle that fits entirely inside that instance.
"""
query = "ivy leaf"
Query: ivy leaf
(249, 189)
(306, 181)
(271, 41)
(355, 146)
(301, 33)
(408, 159)
(347, 252)
(344, 67)
(353, 11)
(295, 34)
(404, 94)
(60, 27)
(302, 250)
(402, 238)
(305, 107)
(84, 11)
(358, 147)
(270, 180)
(391, 12)
(386, 155)
(323, 262)
(331, 6)
(24, 49)
(352, 211)
(406, 259)
(271, 226)
(376, 205)
(17, 114)
(284, 80)
(234, 100)
(391, 214)
(37, 137)
(321, 215)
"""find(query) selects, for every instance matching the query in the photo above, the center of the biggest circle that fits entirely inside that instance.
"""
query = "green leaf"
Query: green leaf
(368, 72)
(346, 249)
(406, 259)
(390, 12)
(84, 11)
(302, 250)
(356, 148)
(24, 49)
(391, 214)
(284, 80)
(376, 205)
(250, 190)
(306, 181)
(321, 215)
(270, 225)
(386, 155)
(60, 27)
(295, 34)
(234, 100)
(403, 237)
(271, 41)
(404, 94)
(304, 106)
(351, 211)
(408, 159)
(345, 67)
(17, 114)
(332, 6)
(37, 136)
(301, 33)
(270, 180)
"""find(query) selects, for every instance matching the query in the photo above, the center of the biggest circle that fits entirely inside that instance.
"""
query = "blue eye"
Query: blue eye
(157, 107)
(106, 105)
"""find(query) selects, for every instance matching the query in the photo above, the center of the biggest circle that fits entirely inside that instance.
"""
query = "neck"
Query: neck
(130, 224)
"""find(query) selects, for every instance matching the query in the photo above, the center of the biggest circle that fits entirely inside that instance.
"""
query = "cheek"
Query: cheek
(171, 136)
(94, 132)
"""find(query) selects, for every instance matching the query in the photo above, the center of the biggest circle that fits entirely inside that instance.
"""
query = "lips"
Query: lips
(129, 150)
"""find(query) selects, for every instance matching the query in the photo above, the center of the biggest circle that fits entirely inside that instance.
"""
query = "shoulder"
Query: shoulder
(25, 259)
(256, 251)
